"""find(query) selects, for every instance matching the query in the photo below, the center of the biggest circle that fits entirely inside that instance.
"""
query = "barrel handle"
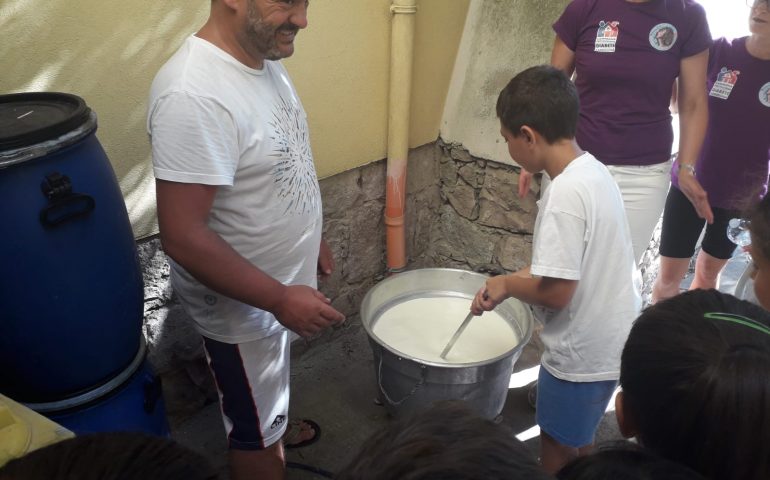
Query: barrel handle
(74, 206)
(63, 204)
(414, 389)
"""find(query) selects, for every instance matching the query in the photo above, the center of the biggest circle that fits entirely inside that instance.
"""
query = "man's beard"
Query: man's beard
(261, 36)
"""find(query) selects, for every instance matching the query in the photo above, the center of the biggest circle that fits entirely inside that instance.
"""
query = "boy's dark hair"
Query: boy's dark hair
(696, 386)
(760, 227)
(625, 461)
(446, 442)
(544, 99)
(111, 456)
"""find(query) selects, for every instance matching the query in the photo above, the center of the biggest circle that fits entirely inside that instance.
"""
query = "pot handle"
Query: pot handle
(416, 387)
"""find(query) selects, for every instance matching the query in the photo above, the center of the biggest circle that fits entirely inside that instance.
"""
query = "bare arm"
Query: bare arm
(693, 120)
(183, 211)
(562, 57)
(325, 259)
(549, 292)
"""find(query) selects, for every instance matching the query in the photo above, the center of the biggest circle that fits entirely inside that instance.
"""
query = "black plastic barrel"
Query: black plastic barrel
(71, 294)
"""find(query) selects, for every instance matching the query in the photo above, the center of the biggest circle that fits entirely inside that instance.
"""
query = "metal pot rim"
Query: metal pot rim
(525, 335)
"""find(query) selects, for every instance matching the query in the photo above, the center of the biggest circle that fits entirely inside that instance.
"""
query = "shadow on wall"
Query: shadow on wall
(107, 53)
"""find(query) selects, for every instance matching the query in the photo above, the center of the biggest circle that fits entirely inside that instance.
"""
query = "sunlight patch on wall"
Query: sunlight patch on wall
(9, 8)
(138, 188)
(43, 80)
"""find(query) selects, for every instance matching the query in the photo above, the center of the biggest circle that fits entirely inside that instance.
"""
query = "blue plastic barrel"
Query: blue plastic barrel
(131, 401)
(71, 293)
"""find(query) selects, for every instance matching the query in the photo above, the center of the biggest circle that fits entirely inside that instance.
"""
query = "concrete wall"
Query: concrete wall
(501, 38)
(108, 53)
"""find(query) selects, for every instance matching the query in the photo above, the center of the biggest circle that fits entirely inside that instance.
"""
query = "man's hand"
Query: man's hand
(325, 260)
(306, 311)
(490, 295)
(525, 180)
(692, 189)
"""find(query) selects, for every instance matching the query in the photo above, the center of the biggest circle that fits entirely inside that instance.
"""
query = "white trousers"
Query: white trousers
(644, 190)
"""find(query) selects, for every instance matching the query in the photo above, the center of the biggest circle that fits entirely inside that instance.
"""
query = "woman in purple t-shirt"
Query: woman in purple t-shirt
(733, 165)
(626, 55)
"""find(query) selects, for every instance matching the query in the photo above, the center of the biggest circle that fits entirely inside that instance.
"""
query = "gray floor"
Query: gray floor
(334, 384)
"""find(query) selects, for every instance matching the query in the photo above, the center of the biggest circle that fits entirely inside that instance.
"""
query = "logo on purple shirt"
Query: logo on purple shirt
(764, 94)
(606, 36)
(663, 36)
(726, 80)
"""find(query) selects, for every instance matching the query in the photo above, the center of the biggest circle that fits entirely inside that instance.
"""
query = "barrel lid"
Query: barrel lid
(34, 117)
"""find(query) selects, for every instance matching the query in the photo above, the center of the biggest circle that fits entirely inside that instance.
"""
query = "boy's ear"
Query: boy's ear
(625, 422)
(528, 134)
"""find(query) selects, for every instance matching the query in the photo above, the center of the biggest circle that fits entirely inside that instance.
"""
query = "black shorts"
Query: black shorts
(682, 226)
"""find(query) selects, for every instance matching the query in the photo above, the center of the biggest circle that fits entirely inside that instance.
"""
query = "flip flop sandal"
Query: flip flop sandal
(293, 431)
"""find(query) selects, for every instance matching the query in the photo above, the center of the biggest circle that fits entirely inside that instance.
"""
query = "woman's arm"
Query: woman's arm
(562, 57)
(693, 120)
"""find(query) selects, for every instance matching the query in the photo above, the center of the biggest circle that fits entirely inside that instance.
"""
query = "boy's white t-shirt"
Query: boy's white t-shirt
(214, 121)
(581, 233)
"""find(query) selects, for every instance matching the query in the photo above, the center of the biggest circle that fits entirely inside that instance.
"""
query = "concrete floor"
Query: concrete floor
(334, 384)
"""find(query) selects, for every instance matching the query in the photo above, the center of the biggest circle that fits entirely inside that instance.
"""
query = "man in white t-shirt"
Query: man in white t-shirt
(239, 210)
(583, 280)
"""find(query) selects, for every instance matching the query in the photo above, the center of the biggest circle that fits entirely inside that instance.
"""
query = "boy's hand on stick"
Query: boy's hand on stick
(490, 295)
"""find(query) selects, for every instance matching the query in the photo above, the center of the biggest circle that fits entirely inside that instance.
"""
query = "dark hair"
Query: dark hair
(111, 456)
(625, 461)
(697, 388)
(760, 227)
(542, 98)
(447, 442)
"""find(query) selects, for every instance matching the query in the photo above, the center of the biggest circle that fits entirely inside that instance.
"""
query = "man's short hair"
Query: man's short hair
(542, 98)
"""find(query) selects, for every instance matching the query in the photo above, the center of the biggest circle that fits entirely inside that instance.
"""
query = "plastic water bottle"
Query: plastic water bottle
(738, 232)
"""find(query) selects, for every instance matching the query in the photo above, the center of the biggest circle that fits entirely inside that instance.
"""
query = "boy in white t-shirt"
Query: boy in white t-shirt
(582, 279)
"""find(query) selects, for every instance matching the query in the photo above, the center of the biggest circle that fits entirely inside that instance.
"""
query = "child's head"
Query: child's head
(625, 461)
(448, 441)
(111, 456)
(543, 99)
(760, 250)
(695, 378)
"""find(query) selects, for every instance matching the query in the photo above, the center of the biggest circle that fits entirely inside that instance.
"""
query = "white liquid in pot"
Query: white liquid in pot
(422, 327)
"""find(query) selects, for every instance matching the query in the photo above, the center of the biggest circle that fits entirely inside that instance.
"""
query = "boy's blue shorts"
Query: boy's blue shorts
(570, 412)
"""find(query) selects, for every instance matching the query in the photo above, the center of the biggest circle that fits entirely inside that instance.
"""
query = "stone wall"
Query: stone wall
(462, 212)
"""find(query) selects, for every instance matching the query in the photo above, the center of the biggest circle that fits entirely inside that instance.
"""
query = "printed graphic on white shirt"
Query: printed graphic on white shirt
(726, 80)
(606, 36)
(663, 36)
(764, 94)
(294, 171)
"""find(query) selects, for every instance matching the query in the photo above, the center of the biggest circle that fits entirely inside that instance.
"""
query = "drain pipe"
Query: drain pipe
(401, 53)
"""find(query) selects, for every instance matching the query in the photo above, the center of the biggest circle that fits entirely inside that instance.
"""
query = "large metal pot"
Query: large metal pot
(407, 383)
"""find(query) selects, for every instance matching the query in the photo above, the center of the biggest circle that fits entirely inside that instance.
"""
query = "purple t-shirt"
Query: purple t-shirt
(627, 56)
(733, 164)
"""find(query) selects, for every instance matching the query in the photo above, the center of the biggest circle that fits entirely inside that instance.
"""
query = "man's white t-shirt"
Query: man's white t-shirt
(581, 233)
(214, 121)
